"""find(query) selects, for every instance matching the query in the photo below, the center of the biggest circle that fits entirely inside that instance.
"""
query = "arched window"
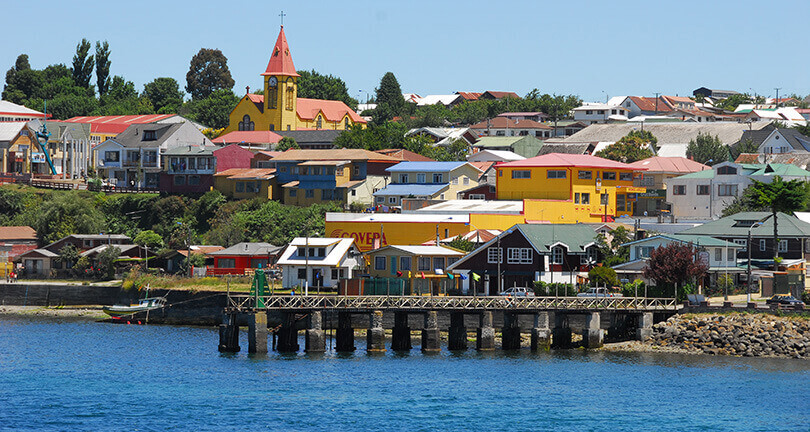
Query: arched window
(246, 124)
(346, 126)
(290, 95)
(318, 122)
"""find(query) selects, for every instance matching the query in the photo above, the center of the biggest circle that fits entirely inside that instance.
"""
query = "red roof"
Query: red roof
(501, 94)
(569, 160)
(248, 137)
(405, 155)
(648, 104)
(281, 62)
(333, 111)
(483, 166)
(469, 95)
(504, 122)
(121, 119)
(17, 233)
(669, 165)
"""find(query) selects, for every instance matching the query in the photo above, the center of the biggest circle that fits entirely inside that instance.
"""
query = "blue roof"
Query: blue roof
(425, 166)
(407, 189)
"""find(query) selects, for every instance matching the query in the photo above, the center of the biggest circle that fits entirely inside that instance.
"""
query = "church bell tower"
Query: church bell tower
(281, 87)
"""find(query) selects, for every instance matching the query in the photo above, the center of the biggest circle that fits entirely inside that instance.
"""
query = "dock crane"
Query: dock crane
(44, 134)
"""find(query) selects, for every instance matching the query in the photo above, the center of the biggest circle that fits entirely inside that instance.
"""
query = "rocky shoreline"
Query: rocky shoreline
(747, 335)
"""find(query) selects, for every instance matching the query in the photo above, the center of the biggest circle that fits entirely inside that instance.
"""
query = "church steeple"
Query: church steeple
(281, 63)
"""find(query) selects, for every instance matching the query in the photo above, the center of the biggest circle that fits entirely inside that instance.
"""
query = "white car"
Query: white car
(518, 292)
(598, 292)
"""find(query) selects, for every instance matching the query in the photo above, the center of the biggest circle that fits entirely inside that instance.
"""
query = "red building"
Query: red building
(232, 156)
(243, 257)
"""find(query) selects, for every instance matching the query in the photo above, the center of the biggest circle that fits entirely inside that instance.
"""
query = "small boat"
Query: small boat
(145, 304)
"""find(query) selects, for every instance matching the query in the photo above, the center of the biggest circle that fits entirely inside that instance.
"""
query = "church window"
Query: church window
(318, 122)
(272, 97)
(347, 124)
(290, 96)
(246, 124)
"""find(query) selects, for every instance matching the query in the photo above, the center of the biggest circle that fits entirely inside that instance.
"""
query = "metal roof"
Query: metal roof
(423, 250)
(248, 249)
(737, 225)
(408, 189)
(425, 166)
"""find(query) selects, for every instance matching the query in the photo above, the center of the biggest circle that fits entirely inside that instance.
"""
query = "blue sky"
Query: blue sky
(592, 49)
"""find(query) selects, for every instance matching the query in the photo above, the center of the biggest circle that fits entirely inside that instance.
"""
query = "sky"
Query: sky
(591, 49)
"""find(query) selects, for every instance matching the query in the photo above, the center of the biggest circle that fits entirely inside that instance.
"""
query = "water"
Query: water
(75, 375)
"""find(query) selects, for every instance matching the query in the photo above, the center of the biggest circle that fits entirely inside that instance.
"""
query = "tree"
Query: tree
(287, 143)
(164, 94)
(604, 276)
(732, 102)
(780, 196)
(68, 255)
(312, 84)
(635, 146)
(390, 102)
(65, 214)
(207, 73)
(102, 67)
(83, 64)
(747, 202)
(149, 239)
(614, 252)
(214, 110)
(674, 264)
(374, 137)
(107, 258)
(707, 149)
(745, 146)
(461, 244)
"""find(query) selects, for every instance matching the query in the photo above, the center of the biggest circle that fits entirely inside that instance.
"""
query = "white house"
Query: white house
(494, 156)
(591, 113)
(318, 262)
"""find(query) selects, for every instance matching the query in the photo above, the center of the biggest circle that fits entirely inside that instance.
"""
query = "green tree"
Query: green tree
(707, 149)
(374, 137)
(744, 146)
(746, 202)
(208, 73)
(732, 102)
(604, 276)
(614, 252)
(390, 102)
(780, 196)
(205, 208)
(107, 258)
(164, 94)
(65, 214)
(102, 67)
(462, 244)
(68, 255)
(314, 85)
(83, 64)
(214, 110)
(149, 239)
(287, 143)
(633, 147)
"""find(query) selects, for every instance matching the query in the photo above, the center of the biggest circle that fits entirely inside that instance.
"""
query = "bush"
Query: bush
(544, 289)
(603, 276)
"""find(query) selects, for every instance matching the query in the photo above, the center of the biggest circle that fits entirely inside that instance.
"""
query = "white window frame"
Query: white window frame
(519, 256)
(783, 245)
(718, 254)
(494, 255)
(743, 243)
(762, 245)
(557, 255)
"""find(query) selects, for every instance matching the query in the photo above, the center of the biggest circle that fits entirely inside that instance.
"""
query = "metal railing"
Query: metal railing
(417, 303)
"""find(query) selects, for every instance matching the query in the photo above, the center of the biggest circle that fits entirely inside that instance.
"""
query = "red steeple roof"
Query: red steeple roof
(280, 60)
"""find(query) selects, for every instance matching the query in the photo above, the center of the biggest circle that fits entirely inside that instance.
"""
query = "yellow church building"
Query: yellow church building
(280, 108)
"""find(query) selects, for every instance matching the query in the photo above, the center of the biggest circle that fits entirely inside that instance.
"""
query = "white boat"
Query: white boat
(145, 304)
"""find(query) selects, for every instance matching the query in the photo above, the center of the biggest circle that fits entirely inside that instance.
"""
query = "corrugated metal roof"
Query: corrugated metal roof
(425, 166)
(568, 160)
(408, 189)
(676, 165)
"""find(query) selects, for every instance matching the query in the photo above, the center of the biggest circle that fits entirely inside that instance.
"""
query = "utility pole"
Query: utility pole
(656, 102)
(777, 96)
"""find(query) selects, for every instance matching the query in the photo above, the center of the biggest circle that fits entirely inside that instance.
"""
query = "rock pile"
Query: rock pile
(736, 334)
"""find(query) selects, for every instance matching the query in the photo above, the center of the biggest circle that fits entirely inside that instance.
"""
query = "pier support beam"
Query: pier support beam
(229, 334)
(592, 335)
(561, 335)
(287, 334)
(401, 335)
(485, 333)
(645, 323)
(314, 339)
(345, 333)
(510, 335)
(431, 341)
(457, 337)
(375, 337)
(541, 336)
(257, 333)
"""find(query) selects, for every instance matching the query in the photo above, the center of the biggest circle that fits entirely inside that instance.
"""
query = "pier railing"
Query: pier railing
(243, 302)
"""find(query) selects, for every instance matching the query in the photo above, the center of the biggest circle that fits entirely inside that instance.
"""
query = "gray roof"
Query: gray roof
(572, 148)
(249, 249)
(737, 225)
(309, 137)
(192, 150)
(134, 134)
(796, 140)
(666, 133)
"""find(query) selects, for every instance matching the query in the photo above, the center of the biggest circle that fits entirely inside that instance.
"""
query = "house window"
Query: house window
(609, 175)
(702, 189)
(226, 263)
(111, 156)
(403, 178)
(521, 174)
(743, 243)
(727, 170)
(494, 255)
(405, 263)
(625, 176)
(293, 193)
(179, 180)
(588, 112)
(356, 171)
(318, 122)
(762, 245)
(438, 263)
(302, 273)
(346, 124)
(727, 190)
(149, 135)
(643, 251)
(438, 178)
(379, 263)
(557, 255)
(452, 260)
(519, 255)
(620, 201)
(679, 190)
(555, 174)
(327, 194)
(718, 254)
(454, 181)
(193, 180)
(354, 192)
(295, 170)
(465, 181)
(424, 263)
(586, 198)
(585, 175)
(783, 245)
(421, 178)
(476, 196)
(576, 198)
(380, 199)
(309, 193)
(240, 186)
(604, 199)
(246, 124)
(589, 257)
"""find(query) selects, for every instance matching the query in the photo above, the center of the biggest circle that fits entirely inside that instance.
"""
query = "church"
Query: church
(280, 108)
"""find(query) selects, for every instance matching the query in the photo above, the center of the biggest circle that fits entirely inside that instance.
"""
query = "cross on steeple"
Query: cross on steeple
(282, 15)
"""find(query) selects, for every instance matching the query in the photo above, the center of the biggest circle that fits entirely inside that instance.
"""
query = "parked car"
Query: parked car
(598, 292)
(518, 292)
(784, 299)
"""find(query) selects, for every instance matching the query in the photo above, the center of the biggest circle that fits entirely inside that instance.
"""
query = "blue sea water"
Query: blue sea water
(78, 375)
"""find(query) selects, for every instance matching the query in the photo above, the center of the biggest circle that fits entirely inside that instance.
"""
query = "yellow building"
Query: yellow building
(247, 183)
(421, 268)
(569, 188)
(280, 108)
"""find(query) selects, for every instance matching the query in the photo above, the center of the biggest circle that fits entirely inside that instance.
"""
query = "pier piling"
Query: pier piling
(314, 339)
(431, 340)
(375, 337)
(345, 333)
(592, 334)
(541, 336)
(229, 334)
(458, 333)
(401, 334)
(645, 323)
(287, 334)
(561, 335)
(510, 334)
(485, 333)
(257, 333)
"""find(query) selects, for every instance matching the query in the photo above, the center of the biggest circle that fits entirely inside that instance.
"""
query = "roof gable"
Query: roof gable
(569, 160)
(281, 62)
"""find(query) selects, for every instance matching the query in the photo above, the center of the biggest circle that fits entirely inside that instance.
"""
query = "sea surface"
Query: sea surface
(71, 375)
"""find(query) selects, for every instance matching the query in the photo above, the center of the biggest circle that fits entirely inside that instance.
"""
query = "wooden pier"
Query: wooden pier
(550, 324)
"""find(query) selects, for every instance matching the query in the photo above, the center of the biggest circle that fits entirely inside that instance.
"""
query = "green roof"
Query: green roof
(543, 236)
(737, 225)
(526, 146)
(698, 240)
(783, 170)
(705, 174)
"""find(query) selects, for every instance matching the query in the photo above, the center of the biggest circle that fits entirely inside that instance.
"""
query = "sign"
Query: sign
(654, 193)
(704, 257)
(38, 157)
(635, 189)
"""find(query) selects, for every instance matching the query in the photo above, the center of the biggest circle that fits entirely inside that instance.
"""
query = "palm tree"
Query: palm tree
(780, 196)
